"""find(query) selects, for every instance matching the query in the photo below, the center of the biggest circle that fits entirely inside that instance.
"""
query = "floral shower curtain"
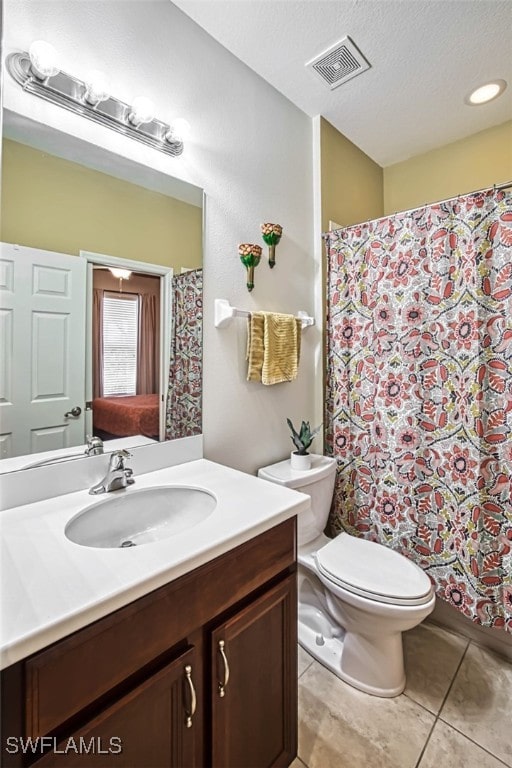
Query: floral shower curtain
(419, 393)
(184, 401)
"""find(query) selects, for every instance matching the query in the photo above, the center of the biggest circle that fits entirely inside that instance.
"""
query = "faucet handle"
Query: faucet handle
(94, 446)
(117, 458)
(128, 473)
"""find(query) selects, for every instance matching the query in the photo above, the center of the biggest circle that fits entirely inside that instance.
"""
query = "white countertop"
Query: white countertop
(52, 587)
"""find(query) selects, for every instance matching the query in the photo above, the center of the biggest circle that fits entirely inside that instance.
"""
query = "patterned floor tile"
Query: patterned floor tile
(480, 702)
(432, 656)
(450, 749)
(340, 727)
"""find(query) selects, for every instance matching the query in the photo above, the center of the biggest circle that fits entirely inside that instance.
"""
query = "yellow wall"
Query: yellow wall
(57, 205)
(351, 183)
(478, 161)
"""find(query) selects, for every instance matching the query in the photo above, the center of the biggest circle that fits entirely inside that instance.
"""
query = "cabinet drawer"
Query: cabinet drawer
(73, 673)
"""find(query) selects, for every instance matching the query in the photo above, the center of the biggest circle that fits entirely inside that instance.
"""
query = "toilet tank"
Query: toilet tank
(317, 482)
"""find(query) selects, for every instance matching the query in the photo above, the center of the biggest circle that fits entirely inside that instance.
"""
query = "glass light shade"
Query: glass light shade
(121, 274)
(486, 92)
(143, 111)
(180, 130)
(44, 59)
(97, 87)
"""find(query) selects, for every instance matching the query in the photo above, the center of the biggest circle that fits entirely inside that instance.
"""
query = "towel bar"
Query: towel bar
(224, 313)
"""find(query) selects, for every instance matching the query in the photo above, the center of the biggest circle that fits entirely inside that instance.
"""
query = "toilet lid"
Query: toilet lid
(370, 569)
(283, 474)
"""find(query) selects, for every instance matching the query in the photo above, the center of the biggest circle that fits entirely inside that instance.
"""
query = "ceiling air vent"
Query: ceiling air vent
(339, 63)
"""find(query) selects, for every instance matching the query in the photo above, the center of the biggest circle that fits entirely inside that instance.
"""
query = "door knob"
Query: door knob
(74, 412)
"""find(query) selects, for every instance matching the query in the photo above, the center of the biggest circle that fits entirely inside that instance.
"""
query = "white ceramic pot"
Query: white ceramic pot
(299, 462)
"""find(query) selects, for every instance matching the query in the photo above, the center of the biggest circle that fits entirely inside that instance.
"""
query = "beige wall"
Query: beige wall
(351, 183)
(56, 205)
(478, 161)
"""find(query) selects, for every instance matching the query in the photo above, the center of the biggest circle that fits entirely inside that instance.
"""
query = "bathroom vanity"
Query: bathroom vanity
(198, 670)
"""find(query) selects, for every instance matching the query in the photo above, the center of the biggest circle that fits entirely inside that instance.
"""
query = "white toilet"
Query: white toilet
(356, 597)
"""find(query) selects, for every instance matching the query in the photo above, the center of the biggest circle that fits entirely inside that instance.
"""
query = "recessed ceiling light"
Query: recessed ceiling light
(485, 93)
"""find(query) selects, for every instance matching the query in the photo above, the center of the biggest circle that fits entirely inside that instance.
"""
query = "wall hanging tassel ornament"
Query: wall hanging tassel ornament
(271, 235)
(250, 256)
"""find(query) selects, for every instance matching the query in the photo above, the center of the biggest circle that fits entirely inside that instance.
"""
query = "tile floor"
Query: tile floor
(456, 711)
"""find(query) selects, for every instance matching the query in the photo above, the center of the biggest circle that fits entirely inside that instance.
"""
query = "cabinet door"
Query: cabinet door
(156, 725)
(254, 683)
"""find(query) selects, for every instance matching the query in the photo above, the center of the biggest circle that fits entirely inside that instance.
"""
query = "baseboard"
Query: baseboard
(494, 639)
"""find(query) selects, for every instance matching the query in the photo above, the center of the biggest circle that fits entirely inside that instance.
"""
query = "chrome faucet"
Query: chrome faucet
(118, 476)
(94, 446)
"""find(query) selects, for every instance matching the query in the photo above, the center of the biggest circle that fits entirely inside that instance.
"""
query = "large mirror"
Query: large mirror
(91, 352)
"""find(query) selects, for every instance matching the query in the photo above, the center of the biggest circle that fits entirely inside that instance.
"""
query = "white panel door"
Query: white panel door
(42, 331)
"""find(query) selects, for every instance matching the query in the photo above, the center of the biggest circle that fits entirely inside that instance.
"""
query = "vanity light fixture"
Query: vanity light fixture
(179, 131)
(485, 93)
(143, 111)
(97, 88)
(38, 72)
(44, 60)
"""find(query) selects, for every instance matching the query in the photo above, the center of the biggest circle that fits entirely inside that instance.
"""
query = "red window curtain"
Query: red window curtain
(148, 347)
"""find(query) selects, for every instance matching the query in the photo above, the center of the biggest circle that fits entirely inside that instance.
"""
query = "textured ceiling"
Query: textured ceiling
(425, 56)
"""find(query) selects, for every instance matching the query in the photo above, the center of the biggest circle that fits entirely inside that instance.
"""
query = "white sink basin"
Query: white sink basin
(128, 518)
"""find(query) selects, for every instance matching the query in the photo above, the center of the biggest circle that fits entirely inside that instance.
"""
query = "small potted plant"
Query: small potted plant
(300, 459)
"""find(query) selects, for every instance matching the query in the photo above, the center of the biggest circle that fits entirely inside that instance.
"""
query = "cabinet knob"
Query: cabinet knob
(224, 683)
(193, 700)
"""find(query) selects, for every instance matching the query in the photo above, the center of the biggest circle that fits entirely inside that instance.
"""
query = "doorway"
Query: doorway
(127, 349)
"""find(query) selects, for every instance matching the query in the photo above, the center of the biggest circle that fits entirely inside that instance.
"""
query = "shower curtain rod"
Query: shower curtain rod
(495, 188)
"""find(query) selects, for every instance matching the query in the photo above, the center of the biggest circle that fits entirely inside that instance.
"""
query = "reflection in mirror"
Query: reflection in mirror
(128, 368)
(125, 353)
(93, 354)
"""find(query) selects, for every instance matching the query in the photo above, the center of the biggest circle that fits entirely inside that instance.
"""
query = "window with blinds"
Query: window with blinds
(120, 342)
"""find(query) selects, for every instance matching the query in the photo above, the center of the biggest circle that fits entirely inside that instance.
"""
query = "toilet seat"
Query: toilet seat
(373, 571)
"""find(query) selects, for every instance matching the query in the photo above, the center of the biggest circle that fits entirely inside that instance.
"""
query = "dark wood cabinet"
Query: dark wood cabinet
(254, 692)
(156, 724)
(200, 673)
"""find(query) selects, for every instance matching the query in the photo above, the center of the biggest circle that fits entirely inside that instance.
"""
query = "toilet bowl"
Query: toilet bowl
(356, 597)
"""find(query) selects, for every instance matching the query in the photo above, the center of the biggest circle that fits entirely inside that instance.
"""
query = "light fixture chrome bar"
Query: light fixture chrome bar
(69, 92)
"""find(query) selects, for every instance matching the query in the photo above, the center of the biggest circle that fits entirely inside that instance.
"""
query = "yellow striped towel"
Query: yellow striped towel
(281, 348)
(255, 323)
